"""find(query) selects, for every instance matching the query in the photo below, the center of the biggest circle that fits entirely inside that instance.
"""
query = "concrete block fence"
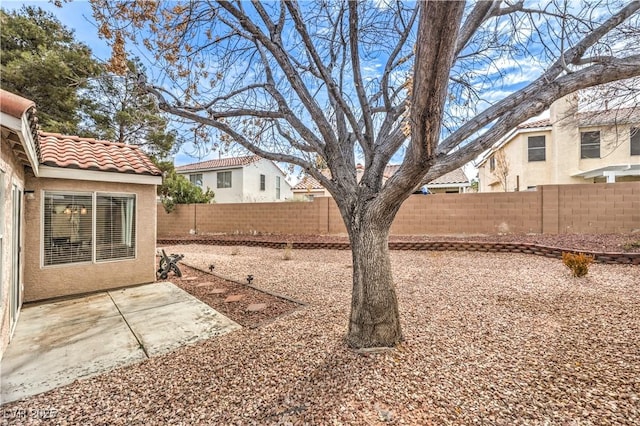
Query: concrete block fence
(552, 209)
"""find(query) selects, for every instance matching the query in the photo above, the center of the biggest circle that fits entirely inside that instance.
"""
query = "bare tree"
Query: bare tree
(501, 170)
(341, 80)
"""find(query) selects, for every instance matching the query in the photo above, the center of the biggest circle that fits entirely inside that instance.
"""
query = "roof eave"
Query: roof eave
(20, 126)
(99, 176)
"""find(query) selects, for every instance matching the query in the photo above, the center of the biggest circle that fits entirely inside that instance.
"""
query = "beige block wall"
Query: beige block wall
(552, 209)
(13, 173)
(63, 280)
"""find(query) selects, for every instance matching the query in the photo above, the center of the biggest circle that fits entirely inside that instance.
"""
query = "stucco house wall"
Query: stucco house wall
(563, 164)
(224, 195)
(251, 183)
(44, 282)
(11, 173)
(245, 179)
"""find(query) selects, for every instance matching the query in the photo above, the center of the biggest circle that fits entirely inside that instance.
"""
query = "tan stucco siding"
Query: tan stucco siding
(63, 280)
(13, 174)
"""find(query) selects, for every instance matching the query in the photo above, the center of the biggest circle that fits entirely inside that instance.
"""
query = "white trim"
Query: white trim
(94, 195)
(20, 126)
(78, 174)
(448, 185)
(613, 170)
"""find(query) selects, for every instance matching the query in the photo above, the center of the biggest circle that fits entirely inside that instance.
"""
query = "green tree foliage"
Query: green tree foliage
(117, 111)
(176, 189)
(43, 62)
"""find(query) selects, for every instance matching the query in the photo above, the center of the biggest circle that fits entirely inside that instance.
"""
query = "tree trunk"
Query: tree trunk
(374, 319)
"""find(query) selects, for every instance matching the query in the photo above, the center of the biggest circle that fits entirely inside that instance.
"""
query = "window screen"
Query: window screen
(224, 179)
(115, 227)
(537, 148)
(590, 145)
(67, 228)
(196, 179)
(263, 182)
(635, 141)
(277, 187)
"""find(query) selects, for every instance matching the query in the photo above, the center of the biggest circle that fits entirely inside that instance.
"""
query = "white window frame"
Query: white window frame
(94, 195)
(263, 182)
(590, 145)
(196, 179)
(536, 149)
(278, 187)
(220, 175)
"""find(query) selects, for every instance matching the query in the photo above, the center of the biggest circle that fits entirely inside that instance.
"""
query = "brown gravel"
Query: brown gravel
(215, 291)
(491, 338)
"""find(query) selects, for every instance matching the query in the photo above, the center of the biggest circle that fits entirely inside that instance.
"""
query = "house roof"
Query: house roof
(14, 105)
(75, 152)
(454, 177)
(219, 163)
(609, 117)
(21, 114)
(307, 183)
(535, 124)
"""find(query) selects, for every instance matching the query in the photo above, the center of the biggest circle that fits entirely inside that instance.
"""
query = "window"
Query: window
(537, 148)
(81, 227)
(115, 227)
(590, 145)
(196, 179)
(492, 163)
(263, 182)
(224, 179)
(635, 141)
(68, 233)
(277, 187)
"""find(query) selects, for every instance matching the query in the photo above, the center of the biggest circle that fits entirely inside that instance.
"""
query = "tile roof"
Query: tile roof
(609, 116)
(74, 152)
(307, 183)
(534, 124)
(14, 105)
(453, 177)
(24, 110)
(219, 163)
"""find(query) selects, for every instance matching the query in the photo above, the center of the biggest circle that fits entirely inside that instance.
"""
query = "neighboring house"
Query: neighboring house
(453, 182)
(250, 179)
(569, 147)
(78, 215)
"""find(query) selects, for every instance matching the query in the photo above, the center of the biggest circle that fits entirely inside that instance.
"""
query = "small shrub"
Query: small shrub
(631, 245)
(577, 263)
(288, 252)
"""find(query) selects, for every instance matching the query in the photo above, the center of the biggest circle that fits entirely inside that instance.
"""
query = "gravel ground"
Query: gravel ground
(216, 292)
(490, 339)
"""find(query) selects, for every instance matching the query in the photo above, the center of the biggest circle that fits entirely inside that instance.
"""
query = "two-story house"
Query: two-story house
(249, 179)
(567, 148)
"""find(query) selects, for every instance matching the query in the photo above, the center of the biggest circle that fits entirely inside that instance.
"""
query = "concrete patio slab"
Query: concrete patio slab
(148, 296)
(165, 328)
(56, 343)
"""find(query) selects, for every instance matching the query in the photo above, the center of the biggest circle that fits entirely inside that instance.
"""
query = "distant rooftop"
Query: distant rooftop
(219, 163)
